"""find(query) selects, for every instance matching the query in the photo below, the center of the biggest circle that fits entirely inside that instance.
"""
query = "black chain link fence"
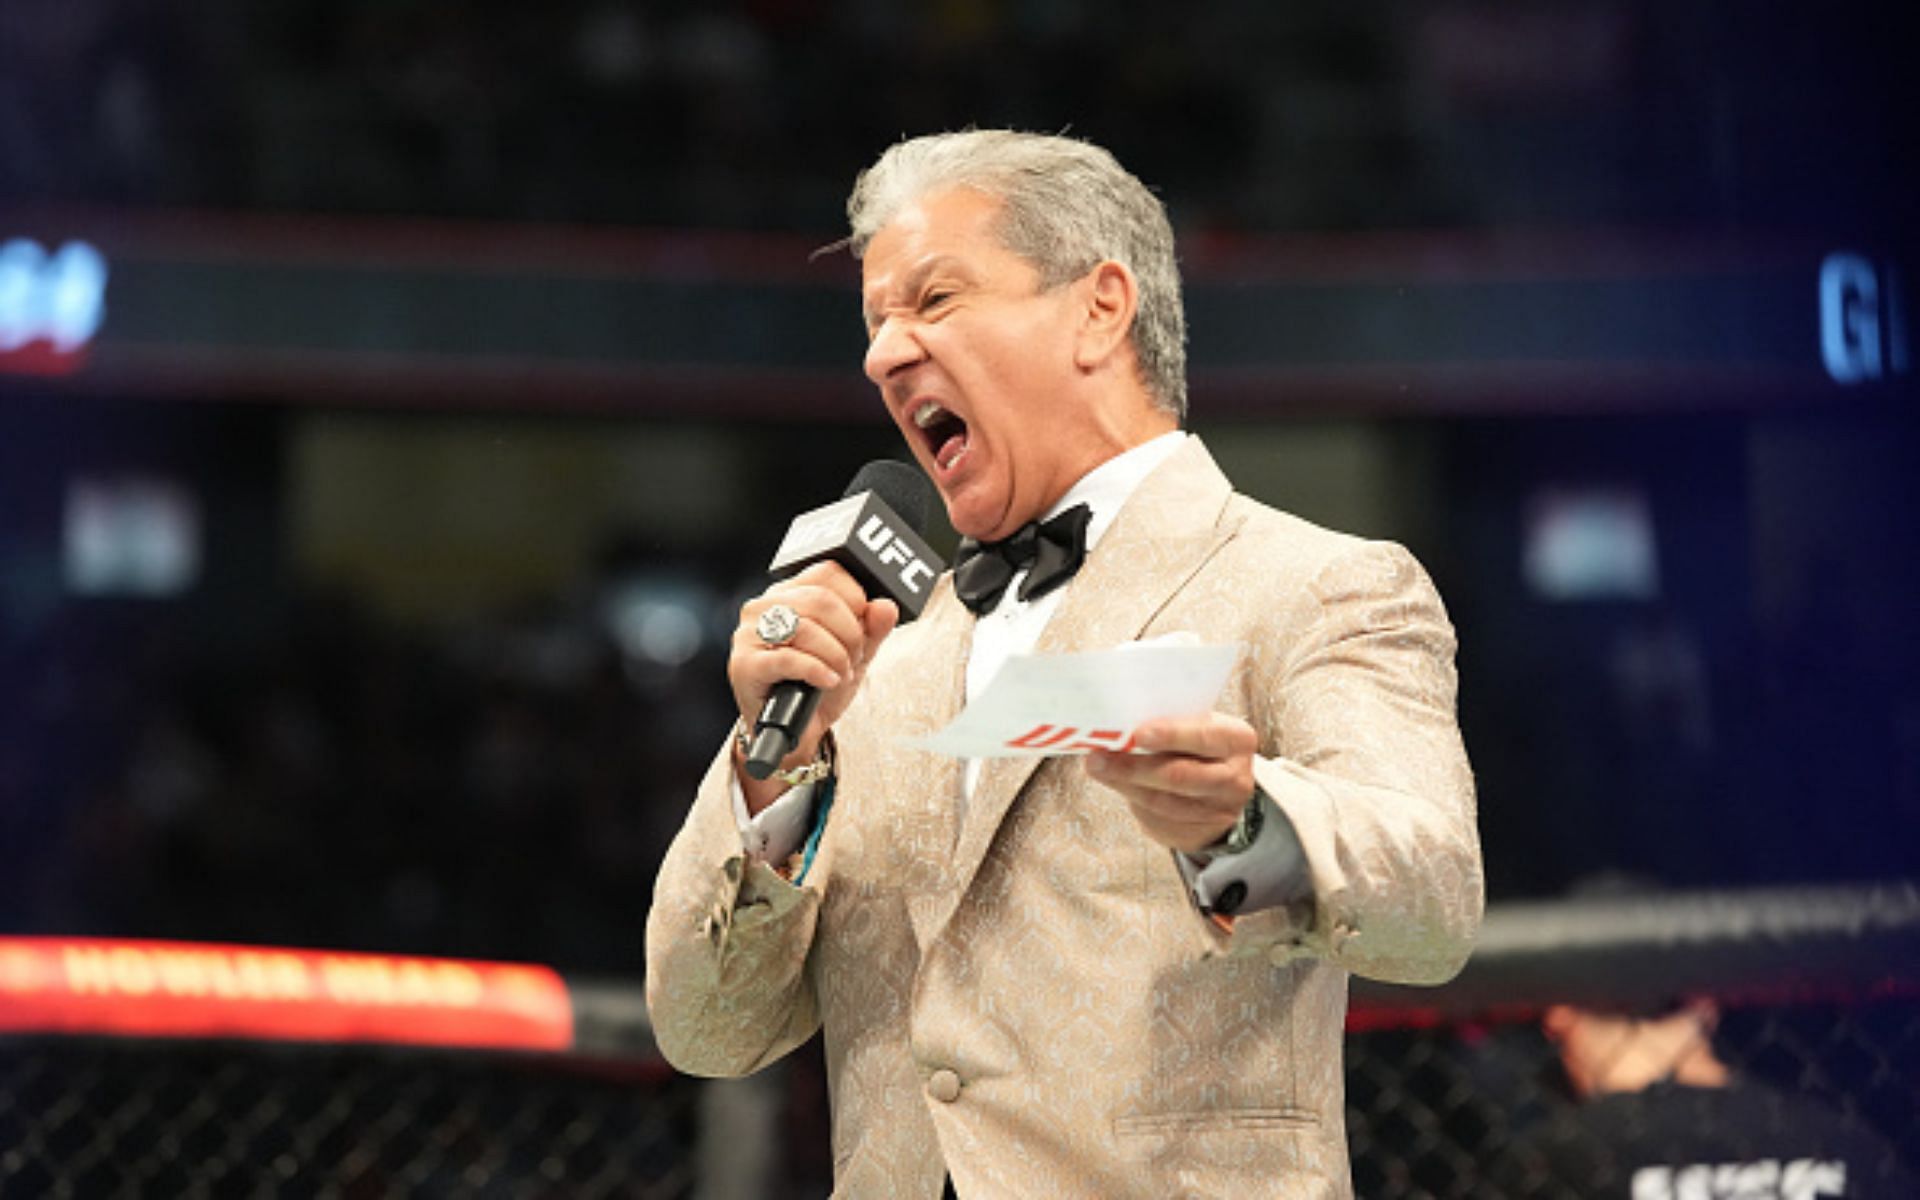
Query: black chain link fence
(1752, 1045)
(1484, 1111)
(95, 1118)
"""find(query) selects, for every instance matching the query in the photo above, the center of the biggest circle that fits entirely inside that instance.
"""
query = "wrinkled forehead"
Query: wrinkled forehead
(918, 201)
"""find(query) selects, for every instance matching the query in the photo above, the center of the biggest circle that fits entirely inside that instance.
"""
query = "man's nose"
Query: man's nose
(893, 346)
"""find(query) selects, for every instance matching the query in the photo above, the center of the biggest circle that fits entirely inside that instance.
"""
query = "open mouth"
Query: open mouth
(945, 434)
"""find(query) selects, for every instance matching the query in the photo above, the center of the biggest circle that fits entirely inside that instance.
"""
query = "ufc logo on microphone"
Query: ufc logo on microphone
(895, 552)
(883, 553)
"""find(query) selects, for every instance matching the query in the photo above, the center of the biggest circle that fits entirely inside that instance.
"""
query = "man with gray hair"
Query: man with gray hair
(1122, 975)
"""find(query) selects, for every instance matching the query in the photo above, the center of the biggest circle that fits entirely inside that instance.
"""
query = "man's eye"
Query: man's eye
(934, 299)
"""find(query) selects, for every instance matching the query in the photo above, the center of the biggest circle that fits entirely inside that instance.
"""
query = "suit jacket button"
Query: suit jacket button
(944, 1086)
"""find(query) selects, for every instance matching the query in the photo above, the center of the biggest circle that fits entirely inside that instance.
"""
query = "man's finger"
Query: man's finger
(1172, 774)
(814, 637)
(787, 663)
(815, 602)
(882, 617)
(836, 579)
(1179, 808)
(1211, 735)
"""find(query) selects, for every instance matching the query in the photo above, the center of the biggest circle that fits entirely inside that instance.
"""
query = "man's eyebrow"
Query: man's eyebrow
(912, 281)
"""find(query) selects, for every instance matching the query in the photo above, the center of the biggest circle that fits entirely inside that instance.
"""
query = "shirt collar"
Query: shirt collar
(1105, 489)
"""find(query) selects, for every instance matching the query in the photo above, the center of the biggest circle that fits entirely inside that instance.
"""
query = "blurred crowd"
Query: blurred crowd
(757, 112)
(505, 793)
(748, 112)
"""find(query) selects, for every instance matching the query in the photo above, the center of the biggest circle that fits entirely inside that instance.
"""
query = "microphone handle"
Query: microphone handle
(783, 718)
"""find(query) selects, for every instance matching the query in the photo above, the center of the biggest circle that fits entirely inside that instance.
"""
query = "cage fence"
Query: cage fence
(1454, 1092)
(101, 1118)
(1482, 1109)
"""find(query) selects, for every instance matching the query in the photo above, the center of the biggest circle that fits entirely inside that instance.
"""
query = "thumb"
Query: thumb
(882, 617)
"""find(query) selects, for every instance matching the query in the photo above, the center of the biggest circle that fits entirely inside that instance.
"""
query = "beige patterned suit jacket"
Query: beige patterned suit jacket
(1028, 997)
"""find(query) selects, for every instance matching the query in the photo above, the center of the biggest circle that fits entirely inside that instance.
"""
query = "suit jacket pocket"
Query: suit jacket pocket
(1211, 1119)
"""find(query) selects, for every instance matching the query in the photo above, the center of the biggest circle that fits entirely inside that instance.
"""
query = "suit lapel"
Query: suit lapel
(1167, 530)
(936, 668)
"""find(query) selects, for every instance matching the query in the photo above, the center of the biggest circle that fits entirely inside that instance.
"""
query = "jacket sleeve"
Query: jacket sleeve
(1354, 697)
(727, 944)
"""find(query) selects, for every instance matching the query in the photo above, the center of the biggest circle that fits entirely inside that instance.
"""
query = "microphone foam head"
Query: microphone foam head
(901, 487)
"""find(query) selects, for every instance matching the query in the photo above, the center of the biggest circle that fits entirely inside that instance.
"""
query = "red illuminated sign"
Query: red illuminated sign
(189, 989)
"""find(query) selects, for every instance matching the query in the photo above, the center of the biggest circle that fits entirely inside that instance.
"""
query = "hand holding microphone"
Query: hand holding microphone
(837, 629)
(845, 574)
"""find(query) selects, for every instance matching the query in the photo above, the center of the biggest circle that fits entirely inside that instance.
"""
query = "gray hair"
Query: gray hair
(1067, 206)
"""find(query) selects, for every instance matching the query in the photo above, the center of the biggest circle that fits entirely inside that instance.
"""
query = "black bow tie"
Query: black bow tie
(1051, 551)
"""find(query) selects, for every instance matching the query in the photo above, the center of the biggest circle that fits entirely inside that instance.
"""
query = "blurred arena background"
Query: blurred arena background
(398, 396)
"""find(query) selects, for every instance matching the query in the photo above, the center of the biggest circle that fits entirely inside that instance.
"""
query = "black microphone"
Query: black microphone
(876, 533)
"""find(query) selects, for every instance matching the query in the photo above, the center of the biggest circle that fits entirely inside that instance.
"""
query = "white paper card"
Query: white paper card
(1051, 704)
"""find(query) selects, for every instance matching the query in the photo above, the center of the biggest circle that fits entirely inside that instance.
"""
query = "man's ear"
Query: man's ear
(1111, 300)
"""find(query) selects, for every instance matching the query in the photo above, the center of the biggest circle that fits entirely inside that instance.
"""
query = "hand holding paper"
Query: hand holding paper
(1053, 704)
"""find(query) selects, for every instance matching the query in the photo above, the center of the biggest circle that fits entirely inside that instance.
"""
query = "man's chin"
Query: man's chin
(968, 523)
(975, 510)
